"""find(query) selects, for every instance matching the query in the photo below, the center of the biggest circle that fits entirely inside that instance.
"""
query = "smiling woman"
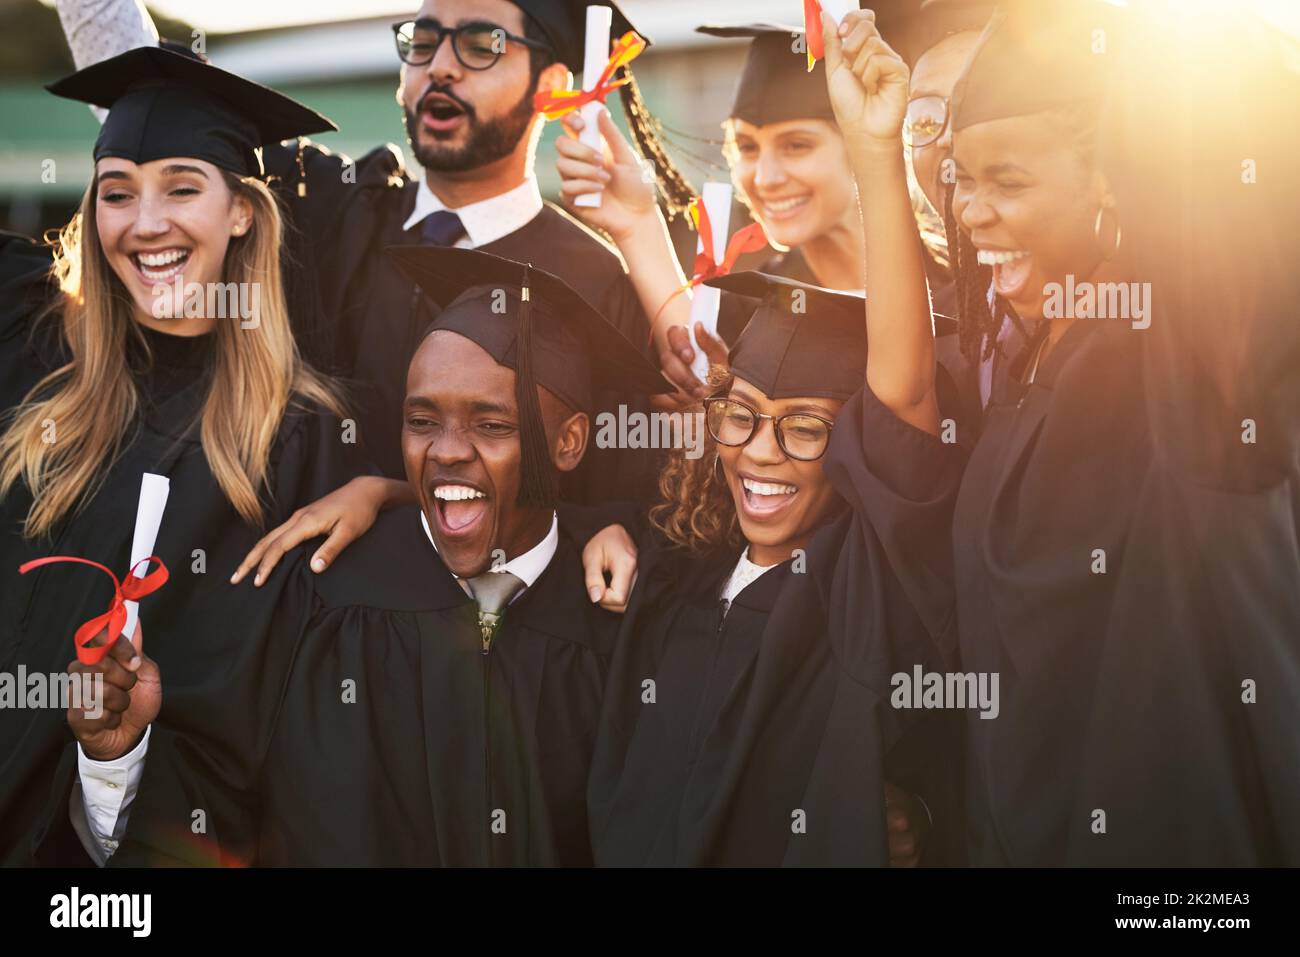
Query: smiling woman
(108, 371)
(747, 604)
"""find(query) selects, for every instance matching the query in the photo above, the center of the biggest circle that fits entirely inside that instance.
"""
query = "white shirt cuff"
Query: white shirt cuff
(99, 805)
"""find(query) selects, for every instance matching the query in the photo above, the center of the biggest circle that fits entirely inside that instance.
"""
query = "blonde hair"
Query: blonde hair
(92, 401)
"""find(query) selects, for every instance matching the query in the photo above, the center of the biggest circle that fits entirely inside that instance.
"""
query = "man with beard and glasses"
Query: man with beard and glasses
(469, 71)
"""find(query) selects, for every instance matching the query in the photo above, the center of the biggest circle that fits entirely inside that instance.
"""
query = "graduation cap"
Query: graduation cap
(163, 103)
(936, 20)
(801, 340)
(1036, 56)
(546, 332)
(564, 22)
(775, 85)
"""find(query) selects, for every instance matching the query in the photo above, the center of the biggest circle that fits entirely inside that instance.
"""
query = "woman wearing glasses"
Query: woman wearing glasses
(753, 659)
(747, 716)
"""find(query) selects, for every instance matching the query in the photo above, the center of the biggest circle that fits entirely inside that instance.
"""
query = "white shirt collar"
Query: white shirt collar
(527, 567)
(742, 576)
(487, 220)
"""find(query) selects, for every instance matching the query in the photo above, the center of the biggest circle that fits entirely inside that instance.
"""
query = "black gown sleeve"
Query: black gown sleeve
(200, 797)
(902, 484)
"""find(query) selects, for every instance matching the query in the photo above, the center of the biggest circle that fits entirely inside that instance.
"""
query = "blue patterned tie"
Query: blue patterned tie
(442, 228)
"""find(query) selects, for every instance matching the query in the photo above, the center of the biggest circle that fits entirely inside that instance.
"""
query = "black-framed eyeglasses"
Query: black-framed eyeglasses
(800, 435)
(927, 118)
(477, 45)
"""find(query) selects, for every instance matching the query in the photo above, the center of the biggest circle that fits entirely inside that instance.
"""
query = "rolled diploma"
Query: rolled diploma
(705, 299)
(596, 55)
(148, 517)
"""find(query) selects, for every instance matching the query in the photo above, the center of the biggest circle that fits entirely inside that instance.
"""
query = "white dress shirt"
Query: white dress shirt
(527, 567)
(107, 788)
(485, 221)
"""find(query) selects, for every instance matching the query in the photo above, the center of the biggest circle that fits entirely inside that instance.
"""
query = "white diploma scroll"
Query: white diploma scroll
(716, 198)
(837, 9)
(596, 56)
(148, 518)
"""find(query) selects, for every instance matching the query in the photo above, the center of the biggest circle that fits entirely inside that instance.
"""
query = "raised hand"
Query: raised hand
(113, 725)
(628, 198)
(866, 79)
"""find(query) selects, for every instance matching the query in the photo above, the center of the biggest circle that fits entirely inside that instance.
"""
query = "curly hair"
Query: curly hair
(696, 511)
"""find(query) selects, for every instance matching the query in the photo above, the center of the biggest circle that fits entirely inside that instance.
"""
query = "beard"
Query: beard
(486, 142)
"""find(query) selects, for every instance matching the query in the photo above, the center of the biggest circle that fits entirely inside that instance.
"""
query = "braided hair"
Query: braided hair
(977, 327)
(647, 132)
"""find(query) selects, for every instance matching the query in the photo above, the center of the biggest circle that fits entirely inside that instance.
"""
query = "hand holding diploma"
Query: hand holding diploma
(113, 725)
(610, 169)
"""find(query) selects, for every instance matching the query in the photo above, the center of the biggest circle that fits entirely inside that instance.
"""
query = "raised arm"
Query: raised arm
(867, 82)
(99, 29)
(629, 215)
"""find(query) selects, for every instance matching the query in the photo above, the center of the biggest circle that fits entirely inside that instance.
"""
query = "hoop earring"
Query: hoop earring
(1096, 231)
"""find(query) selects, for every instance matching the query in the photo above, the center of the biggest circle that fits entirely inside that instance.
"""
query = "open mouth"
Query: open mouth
(1011, 269)
(764, 499)
(441, 113)
(460, 508)
(162, 265)
(776, 210)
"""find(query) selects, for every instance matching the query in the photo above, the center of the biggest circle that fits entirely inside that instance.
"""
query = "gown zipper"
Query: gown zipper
(486, 631)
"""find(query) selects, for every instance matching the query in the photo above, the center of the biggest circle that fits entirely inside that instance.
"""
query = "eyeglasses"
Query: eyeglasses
(927, 118)
(477, 46)
(800, 435)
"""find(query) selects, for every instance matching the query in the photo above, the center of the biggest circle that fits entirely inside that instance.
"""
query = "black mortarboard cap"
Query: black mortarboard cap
(775, 85)
(163, 103)
(937, 19)
(565, 24)
(801, 340)
(1037, 55)
(534, 323)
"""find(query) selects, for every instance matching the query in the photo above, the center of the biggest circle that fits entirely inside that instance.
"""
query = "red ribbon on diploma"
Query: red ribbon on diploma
(812, 28)
(748, 239)
(132, 589)
(556, 103)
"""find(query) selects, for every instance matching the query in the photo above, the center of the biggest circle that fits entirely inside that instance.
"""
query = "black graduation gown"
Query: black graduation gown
(440, 745)
(1121, 690)
(770, 735)
(369, 317)
(197, 626)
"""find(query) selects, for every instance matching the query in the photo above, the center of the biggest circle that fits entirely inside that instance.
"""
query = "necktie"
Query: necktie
(442, 228)
(493, 591)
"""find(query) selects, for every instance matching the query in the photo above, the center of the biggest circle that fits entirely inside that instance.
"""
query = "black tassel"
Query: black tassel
(537, 480)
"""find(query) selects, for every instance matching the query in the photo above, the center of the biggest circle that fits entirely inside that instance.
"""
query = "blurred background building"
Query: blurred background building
(338, 57)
